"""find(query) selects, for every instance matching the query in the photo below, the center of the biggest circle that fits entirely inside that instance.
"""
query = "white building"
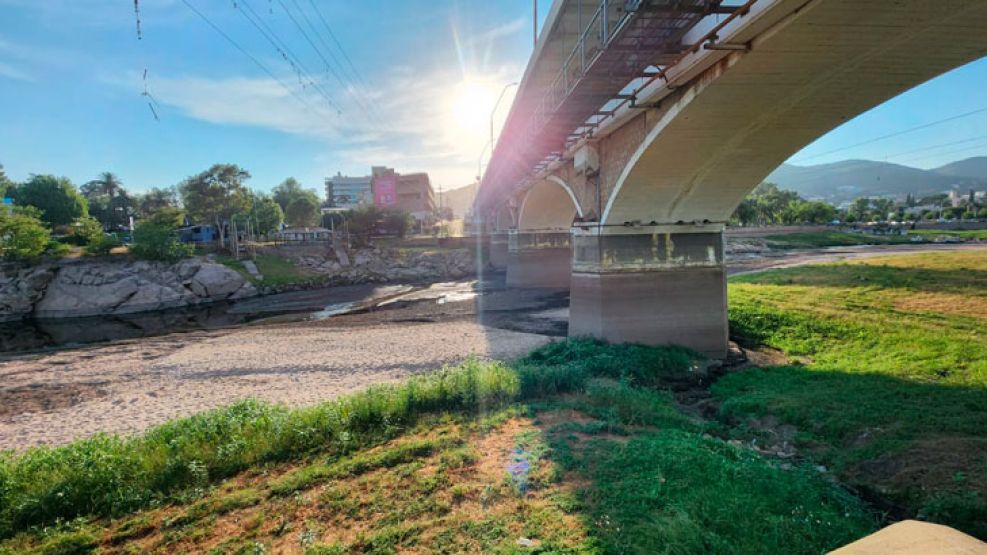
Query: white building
(349, 192)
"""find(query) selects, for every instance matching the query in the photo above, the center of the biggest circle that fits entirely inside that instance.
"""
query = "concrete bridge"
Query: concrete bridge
(639, 126)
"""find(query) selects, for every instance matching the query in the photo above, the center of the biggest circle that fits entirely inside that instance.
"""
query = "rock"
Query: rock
(216, 282)
(151, 296)
(84, 294)
(20, 289)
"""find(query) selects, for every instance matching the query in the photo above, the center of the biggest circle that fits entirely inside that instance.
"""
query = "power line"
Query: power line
(286, 53)
(309, 40)
(342, 50)
(356, 98)
(895, 134)
(329, 67)
(251, 57)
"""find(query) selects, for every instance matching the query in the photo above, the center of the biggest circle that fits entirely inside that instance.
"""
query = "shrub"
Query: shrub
(158, 241)
(57, 249)
(22, 235)
(103, 245)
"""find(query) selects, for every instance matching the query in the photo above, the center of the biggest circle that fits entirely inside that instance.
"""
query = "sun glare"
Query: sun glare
(470, 106)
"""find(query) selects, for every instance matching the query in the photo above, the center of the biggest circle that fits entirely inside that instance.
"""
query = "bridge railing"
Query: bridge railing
(593, 38)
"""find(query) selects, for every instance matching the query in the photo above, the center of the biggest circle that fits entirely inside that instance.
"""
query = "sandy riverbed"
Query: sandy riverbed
(125, 388)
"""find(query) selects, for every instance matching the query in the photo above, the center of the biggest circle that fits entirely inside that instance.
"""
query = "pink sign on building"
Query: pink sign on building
(385, 190)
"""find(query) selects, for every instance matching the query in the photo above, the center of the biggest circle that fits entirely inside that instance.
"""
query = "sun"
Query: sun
(469, 109)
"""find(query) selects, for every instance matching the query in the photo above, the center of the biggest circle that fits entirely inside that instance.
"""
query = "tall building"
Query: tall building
(349, 192)
(415, 196)
(411, 193)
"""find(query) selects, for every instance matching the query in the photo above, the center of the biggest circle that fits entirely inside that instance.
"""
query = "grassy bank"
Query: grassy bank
(276, 270)
(822, 239)
(966, 235)
(890, 389)
(576, 448)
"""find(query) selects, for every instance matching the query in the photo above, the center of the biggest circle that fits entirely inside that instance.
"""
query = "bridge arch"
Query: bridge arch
(720, 136)
(504, 218)
(549, 204)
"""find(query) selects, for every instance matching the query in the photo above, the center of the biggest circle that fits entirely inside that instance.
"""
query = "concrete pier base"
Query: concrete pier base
(652, 285)
(498, 250)
(539, 259)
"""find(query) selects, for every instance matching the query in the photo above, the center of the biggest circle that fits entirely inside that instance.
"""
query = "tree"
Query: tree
(88, 229)
(22, 234)
(57, 198)
(302, 212)
(361, 222)
(267, 215)
(398, 222)
(156, 199)
(157, 239)
(5, 183)
(216, 195)
(108, 201)
(291, 190)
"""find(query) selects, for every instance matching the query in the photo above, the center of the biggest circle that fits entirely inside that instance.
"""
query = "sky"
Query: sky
(411, 85)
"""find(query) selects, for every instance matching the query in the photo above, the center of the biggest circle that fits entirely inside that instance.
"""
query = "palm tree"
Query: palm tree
(107, 184)
(108, 200)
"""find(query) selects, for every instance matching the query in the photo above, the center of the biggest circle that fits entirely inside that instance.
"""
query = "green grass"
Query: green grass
(967, 234)
(609, 465)
(891, 390)
(276, 270)
(821, 239)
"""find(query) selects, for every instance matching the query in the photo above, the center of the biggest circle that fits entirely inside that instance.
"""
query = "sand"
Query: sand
(124, 388)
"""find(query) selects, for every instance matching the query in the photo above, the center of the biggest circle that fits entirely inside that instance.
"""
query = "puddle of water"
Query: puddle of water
(336, 309)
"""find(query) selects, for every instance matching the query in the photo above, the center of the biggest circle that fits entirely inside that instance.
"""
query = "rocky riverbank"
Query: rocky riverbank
(101, 287)
(86, 287)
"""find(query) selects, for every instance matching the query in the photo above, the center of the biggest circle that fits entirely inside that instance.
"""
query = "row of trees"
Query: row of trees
(769, 205)
(46, 204)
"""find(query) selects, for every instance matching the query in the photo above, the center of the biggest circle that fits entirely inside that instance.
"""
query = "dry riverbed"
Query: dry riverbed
(125, 387)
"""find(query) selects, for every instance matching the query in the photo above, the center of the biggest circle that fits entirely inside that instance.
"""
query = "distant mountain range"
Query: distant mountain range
(841, 182)
(844, 181)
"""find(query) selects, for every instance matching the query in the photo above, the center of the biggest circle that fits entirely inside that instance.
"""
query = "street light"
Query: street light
(494, 111)
(479, 163)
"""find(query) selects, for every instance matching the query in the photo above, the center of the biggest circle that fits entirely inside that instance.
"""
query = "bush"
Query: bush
(103, 245)
(22, 235)
(57, 249)
(158, 241)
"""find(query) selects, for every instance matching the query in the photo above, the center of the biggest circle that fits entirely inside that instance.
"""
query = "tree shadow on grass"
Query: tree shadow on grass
(918, 448)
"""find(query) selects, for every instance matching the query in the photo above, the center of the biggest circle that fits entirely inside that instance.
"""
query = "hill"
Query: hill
(849, 179)
(458, 199)
(970, 167)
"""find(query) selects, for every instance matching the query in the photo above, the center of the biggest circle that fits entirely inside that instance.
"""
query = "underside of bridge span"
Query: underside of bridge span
(673, 166)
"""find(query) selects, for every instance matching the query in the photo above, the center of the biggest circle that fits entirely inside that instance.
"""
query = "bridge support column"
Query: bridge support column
(498, 250)
(655, 285)
(539, 259)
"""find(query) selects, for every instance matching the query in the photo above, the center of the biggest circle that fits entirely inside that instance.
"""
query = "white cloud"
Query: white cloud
(408, 124)
(11, 72)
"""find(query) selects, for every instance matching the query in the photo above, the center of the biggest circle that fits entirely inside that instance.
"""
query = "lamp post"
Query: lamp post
(494, 111)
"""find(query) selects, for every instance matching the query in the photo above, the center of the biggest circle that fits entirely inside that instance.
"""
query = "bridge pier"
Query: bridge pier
(654, 285)
(498, 250)
(539, 259)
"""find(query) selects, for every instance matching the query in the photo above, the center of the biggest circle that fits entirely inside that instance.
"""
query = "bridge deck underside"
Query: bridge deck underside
(652, 35)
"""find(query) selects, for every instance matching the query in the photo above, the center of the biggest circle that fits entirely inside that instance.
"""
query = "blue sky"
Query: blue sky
(71, 78)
